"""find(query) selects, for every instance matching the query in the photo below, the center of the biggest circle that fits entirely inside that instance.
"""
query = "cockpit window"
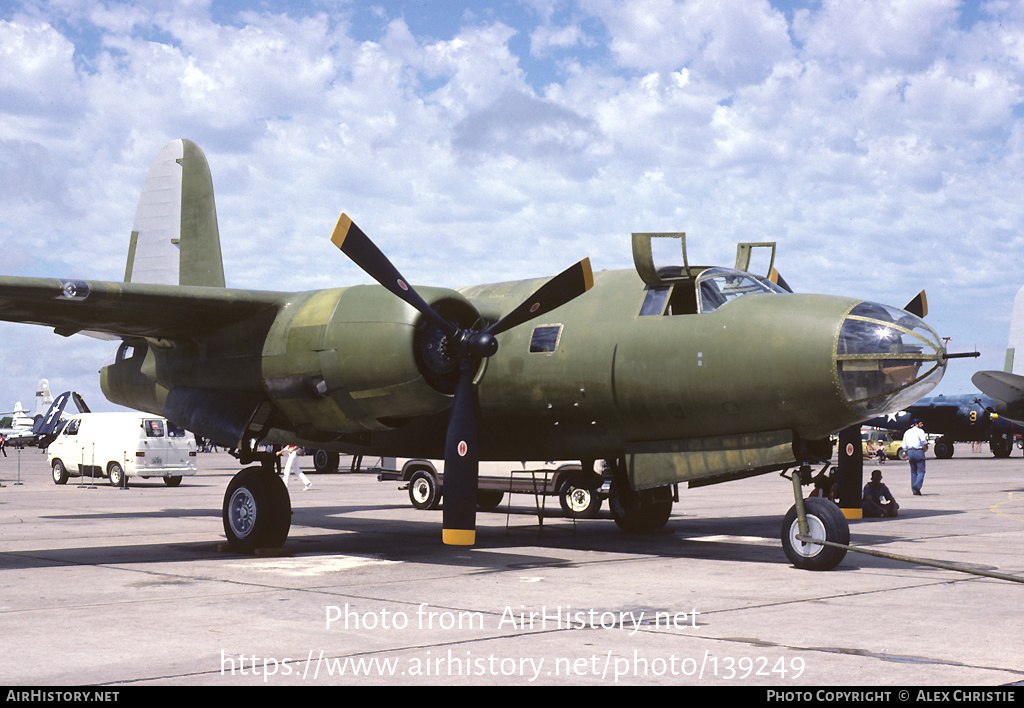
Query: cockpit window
(718, 286)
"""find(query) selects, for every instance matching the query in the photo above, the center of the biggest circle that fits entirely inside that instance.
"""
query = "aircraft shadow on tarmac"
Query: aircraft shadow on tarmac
(751, 539)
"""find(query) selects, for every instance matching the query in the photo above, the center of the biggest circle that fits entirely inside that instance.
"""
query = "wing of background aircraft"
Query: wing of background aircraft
(1003, 386)
(1007, 386)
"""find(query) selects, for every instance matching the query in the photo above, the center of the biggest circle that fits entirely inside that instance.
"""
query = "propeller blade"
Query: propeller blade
(461, 465)
(357, 246)
(567, 285)
(776, 277)
(918, 306)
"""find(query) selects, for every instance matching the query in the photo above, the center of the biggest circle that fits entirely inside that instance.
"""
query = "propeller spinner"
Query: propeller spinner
(467, 347)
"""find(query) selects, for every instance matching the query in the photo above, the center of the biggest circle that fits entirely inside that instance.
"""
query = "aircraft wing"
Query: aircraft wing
(127, 310)
(1003, 386)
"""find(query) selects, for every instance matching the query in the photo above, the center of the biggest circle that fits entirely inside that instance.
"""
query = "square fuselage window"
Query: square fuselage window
(545, 339)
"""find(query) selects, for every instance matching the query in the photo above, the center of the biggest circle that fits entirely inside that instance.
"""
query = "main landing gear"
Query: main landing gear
(257, 510)
(638, 511)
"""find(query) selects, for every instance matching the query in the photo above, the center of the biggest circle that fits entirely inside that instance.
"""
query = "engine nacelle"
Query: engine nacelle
(131, 379)
(360, 359)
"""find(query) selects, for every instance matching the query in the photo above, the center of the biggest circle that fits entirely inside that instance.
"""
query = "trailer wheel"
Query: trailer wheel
(172, 481)
(489, 499)
(424, 492)
(577, 500)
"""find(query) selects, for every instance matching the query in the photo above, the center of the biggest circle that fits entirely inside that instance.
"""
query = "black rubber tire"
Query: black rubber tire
(325, 462)
(257, 511)
(488, 499)
(826, 522)
(60, 472)
(649, 513)
(577, 500)
(424, 492)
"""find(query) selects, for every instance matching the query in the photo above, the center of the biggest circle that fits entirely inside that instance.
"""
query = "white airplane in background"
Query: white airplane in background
(20, 431)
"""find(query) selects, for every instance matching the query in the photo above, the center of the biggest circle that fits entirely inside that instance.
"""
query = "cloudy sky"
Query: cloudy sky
(881, 143)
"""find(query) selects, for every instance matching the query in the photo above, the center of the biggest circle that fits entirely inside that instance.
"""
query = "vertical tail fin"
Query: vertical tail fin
(1007, 386)
(1016, 339)
(175, 240)
(43, 398)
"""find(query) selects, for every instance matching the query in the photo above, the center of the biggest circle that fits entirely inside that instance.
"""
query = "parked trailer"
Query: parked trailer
(579, 492)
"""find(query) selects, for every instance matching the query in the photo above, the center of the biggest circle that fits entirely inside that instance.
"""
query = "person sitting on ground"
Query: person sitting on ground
(823, 486)
(878, 501)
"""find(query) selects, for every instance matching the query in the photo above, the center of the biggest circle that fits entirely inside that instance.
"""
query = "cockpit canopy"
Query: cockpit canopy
(717, 286)
(710, 290)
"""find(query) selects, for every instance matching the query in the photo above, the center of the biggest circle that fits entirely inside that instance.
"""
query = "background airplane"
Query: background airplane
(683, 374)
(962, 418)
(20, 432)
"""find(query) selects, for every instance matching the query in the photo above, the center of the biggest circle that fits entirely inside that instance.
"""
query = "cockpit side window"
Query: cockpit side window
(676, 299)
(654, 301)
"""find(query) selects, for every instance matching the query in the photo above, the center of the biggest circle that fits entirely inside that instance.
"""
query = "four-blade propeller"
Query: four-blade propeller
(467, 347)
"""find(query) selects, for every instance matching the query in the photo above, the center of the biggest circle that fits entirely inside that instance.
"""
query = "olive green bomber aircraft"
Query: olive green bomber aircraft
(686, 374)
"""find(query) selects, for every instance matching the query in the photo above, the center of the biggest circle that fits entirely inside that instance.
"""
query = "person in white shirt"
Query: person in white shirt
(915, 442)
(293, 452)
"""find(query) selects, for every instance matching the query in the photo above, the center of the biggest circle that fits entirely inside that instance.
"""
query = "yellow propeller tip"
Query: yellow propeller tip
(458, 537)
(341, 230)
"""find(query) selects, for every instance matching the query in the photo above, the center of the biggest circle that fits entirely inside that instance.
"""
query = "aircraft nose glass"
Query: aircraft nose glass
(886, 358)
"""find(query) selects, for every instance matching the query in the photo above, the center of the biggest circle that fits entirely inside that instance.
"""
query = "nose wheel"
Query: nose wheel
(808, 529)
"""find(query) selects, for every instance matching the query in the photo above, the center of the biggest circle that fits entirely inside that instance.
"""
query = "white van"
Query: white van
(116, 445)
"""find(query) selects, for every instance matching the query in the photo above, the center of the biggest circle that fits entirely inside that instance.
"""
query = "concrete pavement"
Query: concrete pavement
(130, 587)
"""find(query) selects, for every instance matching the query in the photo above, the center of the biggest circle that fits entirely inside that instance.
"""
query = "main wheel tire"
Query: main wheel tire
(257, 511)
(60, 472)
(825, 522)
(943, 449)
(578, 501)
(424, 492)
(649, 513)
(173, 481)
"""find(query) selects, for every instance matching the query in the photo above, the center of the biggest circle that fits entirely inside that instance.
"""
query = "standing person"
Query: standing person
(293, 453)
(915, 442)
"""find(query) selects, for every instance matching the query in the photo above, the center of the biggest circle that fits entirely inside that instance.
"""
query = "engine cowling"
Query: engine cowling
(130, 380)
(358, 358)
